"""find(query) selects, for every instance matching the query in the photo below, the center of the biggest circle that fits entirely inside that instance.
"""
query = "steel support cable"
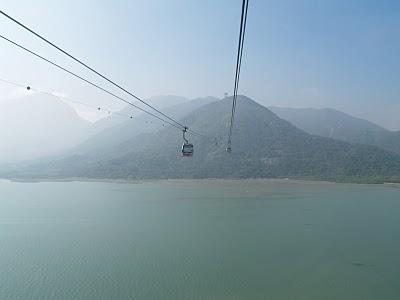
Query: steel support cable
(242, 30)
(240, 58)
(236, 76)
(89, 82)
(90, 68)
(241, 55)
(238, 64)
(29, 87)
(40, 91)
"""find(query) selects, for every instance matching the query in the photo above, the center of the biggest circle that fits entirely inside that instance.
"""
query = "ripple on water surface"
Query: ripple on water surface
(251, 239)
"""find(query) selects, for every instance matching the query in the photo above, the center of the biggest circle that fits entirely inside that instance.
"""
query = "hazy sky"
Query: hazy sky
(340, 54)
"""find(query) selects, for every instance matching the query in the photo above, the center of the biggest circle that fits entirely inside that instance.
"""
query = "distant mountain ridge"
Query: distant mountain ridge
(39, 126)
(103, 143)
(264, 145)
(335, 124)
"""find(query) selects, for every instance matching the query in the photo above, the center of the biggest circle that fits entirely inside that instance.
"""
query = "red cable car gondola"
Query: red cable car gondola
(187, 148)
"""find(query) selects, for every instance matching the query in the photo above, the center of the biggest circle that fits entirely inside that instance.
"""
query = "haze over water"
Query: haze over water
(251, 239)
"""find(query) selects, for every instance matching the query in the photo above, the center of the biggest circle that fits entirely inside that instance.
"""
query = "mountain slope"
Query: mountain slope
(105, 142)
(263, 146)
(331, 123)
(338, 125)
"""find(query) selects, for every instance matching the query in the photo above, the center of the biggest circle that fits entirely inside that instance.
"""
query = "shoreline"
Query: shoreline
(200, 180)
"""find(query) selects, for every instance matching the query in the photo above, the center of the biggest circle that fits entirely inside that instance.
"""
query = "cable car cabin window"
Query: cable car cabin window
(187, 149)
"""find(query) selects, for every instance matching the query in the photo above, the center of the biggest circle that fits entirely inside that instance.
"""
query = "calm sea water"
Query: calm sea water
(199, 240)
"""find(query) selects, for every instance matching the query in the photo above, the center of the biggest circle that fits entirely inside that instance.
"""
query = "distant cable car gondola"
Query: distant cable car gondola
(187, 148)
(229, 147)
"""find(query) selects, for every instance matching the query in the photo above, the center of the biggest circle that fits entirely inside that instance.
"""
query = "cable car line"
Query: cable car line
(243, 22)
(90, 68)
(97, 86)
(242, 31)
(241, 52)
(172, 121)
(89, 82)
(188, 148)
(30, 88)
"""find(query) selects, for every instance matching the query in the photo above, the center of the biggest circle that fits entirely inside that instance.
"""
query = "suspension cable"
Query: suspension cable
(90, 68)
(30, 88)
(242, 31)
(68, 99)
(89, 82)
(97, 73)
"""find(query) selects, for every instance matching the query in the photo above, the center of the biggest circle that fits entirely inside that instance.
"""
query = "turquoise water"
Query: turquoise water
(199, 240)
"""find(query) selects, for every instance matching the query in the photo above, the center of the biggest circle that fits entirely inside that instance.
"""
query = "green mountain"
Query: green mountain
(338, 125)
(104, 142)
(263, 146)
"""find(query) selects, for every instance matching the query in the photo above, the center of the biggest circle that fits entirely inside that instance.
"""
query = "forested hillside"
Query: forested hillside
(263, 146)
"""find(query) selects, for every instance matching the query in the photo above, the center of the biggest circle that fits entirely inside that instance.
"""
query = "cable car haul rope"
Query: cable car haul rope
(68, 99)
(187, 148)
(242, 31)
